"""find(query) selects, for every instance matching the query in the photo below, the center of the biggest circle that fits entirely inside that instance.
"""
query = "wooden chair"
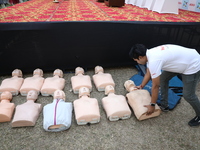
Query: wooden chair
(115, 3)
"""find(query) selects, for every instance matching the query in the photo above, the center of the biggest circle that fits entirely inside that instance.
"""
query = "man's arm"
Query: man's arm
(155, 89)
(154, 94)
(146, 79)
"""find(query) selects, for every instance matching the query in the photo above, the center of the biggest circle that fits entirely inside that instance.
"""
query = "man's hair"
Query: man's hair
(137, 50)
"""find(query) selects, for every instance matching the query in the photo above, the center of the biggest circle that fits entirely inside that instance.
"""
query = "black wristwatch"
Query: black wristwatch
(153, 104)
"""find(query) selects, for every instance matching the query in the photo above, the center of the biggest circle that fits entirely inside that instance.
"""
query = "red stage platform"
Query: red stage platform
(87, 10)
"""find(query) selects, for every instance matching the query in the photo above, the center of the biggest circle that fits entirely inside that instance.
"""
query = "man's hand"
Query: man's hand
(139, 87)
(150, 110)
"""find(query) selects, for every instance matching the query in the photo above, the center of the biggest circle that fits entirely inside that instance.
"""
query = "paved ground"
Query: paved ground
(169, 131)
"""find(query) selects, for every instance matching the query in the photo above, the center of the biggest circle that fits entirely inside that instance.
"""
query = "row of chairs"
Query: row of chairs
(160, 6)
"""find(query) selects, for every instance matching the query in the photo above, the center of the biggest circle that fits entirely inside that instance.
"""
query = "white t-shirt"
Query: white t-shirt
(58, 112)
(172, 58)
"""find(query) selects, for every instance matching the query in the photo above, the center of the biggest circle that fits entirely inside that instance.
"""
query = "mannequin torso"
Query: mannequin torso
(32, 83)
(57, 115)
(27, 113)
(116, 106)
(101, 79)
(137, 98)
(80, 80)
(12, 84)
(6, 108)
(86, 108)
(51, 84)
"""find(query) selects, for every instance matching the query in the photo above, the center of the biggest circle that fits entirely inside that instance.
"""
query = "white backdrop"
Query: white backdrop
(191, 5)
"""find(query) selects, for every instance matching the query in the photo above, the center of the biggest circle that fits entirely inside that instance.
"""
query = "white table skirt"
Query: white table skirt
(160, 6)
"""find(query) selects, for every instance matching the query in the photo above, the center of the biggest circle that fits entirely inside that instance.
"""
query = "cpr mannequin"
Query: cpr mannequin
(80, 80)
(51, 84)
(57, 115)
(86, 109)
(137, 98)
(12, 84)
(116, 106)
(32, 83)
(6, 108)
(101, 79)
(27, 113)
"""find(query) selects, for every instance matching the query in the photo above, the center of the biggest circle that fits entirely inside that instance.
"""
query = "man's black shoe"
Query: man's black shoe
(194, 122)
(165, 109)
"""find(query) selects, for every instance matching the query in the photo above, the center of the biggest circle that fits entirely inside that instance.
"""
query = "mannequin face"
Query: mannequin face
(17, 73)
(58, 72)
(32, 95)
(59, 94)
(84, 91)
(98, 69)
(79, 70)
(6, 96)
(38, 72)
(129, 84)
(109, 89)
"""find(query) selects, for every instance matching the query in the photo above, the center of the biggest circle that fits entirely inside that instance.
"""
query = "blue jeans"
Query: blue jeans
(189, 88)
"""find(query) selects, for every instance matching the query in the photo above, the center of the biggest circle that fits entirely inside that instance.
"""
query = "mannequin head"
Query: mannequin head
(84, 91)
(6, 96)
(38, 72)
(58, 72)
(98, 69)
(109, 89)
(79, 70)
(129, 85)
(59, 94)
(17, 72)
(32, 95)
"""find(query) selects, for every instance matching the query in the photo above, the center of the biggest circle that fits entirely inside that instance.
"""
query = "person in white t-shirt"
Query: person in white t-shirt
(163, 63)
